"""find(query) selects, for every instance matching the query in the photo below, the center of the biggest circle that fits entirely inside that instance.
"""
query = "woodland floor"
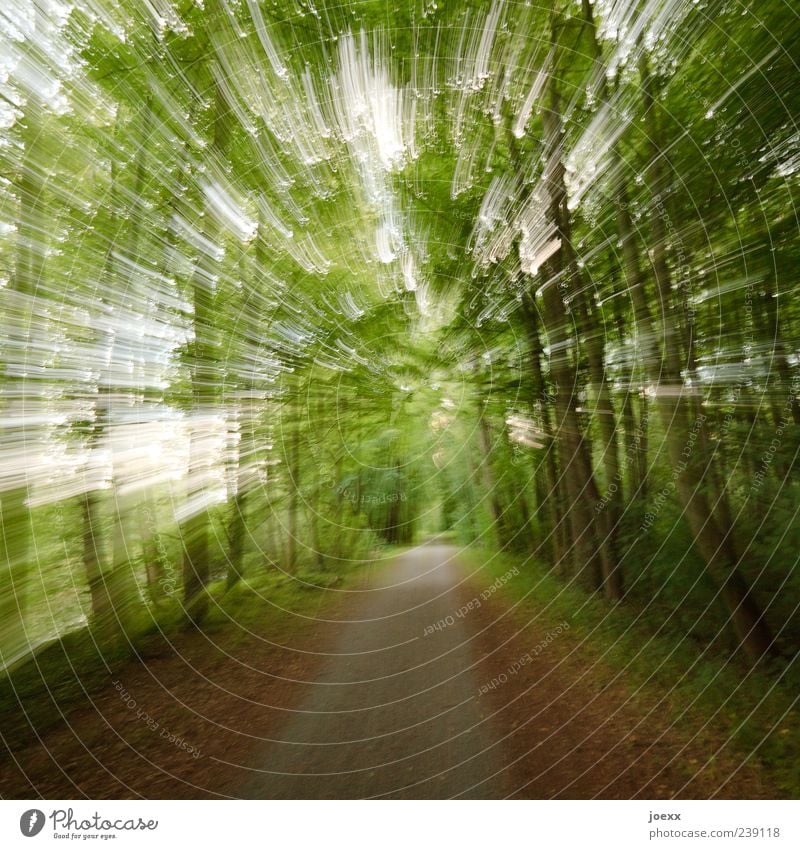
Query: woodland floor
(362, 703)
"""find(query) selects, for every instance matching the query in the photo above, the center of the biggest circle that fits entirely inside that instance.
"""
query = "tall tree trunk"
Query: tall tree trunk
(487, 471)
(591, 529)
(194, 530)
(634, 467)
(147, 508)
(237, 529)
(549, 485)
(17, 315)
(294, 496)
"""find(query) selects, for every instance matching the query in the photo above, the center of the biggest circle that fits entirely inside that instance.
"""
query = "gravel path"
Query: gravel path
(394, 711)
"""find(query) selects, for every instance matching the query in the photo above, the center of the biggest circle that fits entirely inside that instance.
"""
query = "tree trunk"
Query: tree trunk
(194, 530)
(294, 498)
(549, 485)
(18, 308)
(591, 529)
(237, 529)
(487, 470)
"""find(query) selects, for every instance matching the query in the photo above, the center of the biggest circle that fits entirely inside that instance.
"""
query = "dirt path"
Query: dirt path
(433, 689)
(393, 712)
(391, 694)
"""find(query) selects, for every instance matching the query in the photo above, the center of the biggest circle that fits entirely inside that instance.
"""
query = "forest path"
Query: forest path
(394, 711)
(401, 708)
(370, 699)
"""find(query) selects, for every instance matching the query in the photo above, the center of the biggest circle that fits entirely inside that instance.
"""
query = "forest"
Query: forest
(290, 289)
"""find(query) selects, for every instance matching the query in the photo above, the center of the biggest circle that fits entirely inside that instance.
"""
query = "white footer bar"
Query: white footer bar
(388, 824)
